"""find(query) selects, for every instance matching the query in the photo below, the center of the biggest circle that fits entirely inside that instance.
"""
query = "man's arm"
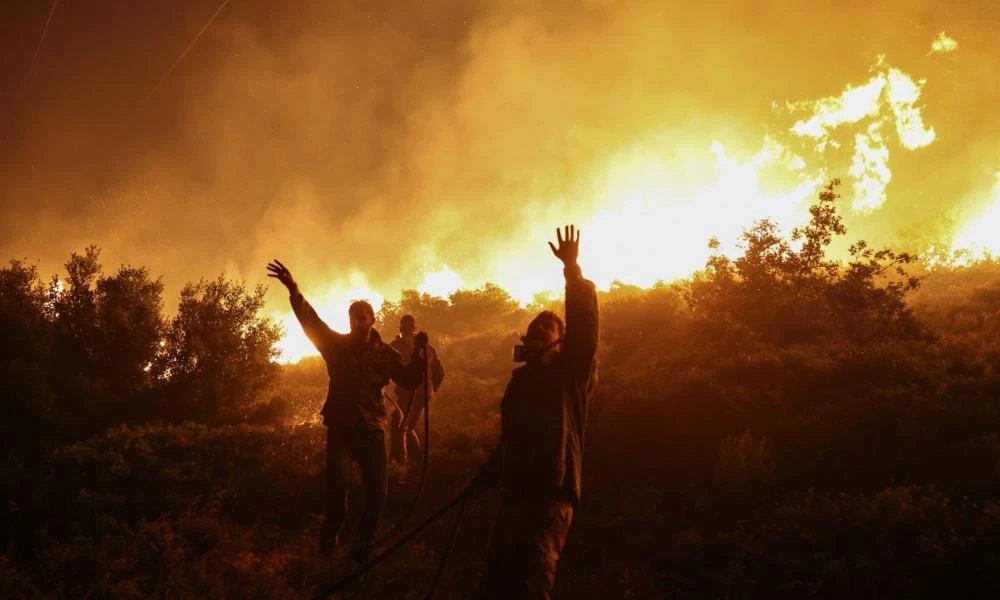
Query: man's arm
(582, 325)
(316, 330)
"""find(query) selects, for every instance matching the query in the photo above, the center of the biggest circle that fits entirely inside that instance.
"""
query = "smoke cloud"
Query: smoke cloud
(374, 146)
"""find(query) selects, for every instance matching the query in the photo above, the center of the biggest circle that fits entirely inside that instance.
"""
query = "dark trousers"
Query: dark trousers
(405, 442)
(410, 442)
(524, 548)
(405, 446)
(366, 447)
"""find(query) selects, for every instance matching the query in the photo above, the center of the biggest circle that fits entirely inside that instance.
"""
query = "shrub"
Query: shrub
(744, 472)
(218, 352)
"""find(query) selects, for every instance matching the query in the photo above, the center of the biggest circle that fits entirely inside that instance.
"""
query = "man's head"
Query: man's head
(407, 325)
(362, 317)
(544, 338)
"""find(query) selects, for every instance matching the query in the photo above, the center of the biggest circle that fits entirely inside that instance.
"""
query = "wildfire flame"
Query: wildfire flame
(332, 308)
(943, 44)
(653, 217)
(441, 283)
(977, 239)
(888, 98)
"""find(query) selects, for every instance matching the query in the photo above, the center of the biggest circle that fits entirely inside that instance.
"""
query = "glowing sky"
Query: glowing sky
(375, 147)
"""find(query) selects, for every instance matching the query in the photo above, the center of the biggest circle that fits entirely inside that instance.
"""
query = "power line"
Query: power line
(45, 30)
(186, 50)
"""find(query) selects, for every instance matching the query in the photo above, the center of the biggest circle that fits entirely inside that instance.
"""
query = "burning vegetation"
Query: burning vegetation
(790, 215)
(778, 423)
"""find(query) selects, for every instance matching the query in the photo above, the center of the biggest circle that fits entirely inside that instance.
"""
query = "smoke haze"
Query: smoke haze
(366, 144)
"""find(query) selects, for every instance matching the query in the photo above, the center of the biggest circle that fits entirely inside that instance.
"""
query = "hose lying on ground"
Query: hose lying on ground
(427, 452)
(459, 499)
(447, 549)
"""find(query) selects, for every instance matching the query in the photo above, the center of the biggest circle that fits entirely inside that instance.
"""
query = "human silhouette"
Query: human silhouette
(406, 440)
(538, 462)
(359, 364)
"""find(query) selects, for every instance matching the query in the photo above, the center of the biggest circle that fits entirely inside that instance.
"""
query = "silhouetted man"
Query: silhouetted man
(411, 401)
(359, 365)
(543, 415)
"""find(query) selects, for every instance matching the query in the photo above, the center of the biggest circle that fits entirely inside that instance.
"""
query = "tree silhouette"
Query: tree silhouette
(787, 290)
(26, 397)
(218, 351)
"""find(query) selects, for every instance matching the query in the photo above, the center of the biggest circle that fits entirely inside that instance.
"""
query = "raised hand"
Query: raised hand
(569, 245)
(282, 274)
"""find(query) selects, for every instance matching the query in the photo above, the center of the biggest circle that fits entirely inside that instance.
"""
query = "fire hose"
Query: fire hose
(461, 500)
(421, 342)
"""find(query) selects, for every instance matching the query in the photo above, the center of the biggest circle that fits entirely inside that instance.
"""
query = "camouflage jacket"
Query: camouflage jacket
(357, 374)
(405, 347)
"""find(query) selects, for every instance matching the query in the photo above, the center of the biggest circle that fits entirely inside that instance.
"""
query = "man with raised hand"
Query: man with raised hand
(359, 364)
(543, 416)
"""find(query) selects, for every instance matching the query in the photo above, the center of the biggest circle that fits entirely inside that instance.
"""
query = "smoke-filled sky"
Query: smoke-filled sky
(367, 144)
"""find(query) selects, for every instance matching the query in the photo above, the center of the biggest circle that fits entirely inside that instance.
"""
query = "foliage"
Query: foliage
(463, 313)
(93, 350)
(787, 291)
(83, 347)
(745, 470)
(872, 470)
(26, 396)
(218, 352)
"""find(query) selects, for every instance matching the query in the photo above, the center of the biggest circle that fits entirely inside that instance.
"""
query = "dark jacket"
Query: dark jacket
(357, 375)
(405, 347)
(544, 409)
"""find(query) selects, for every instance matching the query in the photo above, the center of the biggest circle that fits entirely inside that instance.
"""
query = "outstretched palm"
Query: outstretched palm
(569, 245)
(281, 273)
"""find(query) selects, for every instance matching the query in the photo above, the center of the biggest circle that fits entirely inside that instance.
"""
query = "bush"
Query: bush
(80, 354)
(872, 469)
(26, 395)
(218, 352)
(744, 472)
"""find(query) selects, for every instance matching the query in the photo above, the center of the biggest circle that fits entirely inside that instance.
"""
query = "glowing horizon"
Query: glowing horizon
(649, 218)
